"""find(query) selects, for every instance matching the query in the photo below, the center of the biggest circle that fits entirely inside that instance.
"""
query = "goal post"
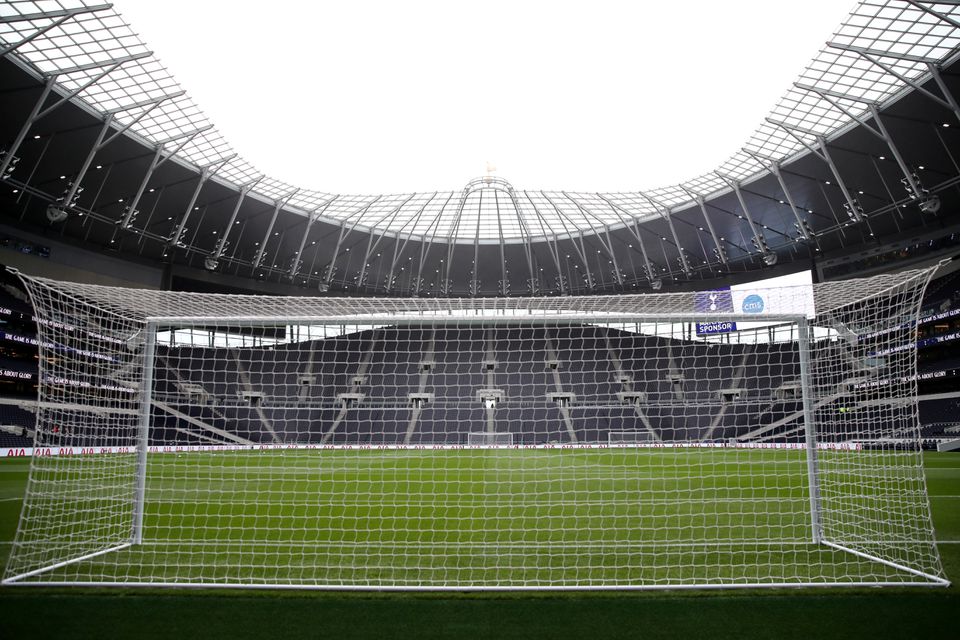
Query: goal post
(507, 443)
(143, 430)
(809, 431)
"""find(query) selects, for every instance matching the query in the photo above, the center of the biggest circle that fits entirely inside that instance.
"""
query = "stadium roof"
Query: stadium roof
(884, 52)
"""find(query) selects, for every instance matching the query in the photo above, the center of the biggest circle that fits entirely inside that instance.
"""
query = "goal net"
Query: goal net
(323, 442)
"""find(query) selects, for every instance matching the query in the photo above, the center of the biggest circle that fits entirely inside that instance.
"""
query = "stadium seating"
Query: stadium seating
(293, 392)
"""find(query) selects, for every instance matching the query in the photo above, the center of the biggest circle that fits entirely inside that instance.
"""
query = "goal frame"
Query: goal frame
(155, 324)
(493, 445)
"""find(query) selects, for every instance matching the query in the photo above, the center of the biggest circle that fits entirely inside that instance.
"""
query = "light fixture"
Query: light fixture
(55, 214)
(930, 205)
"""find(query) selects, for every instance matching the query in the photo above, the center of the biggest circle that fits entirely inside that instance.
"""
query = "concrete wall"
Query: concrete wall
(71, 263)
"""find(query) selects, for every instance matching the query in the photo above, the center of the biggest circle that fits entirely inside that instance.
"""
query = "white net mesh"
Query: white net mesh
(592, 442)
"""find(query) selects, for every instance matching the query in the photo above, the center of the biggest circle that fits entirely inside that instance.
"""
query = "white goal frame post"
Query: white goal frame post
(111, 424)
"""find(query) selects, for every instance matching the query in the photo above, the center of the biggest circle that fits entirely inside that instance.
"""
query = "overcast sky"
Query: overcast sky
(389, 97)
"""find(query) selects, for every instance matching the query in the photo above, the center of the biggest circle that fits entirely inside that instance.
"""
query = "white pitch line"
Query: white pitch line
(10, 499)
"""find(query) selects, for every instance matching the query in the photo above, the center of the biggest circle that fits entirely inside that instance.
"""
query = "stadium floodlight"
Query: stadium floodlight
(246, 441)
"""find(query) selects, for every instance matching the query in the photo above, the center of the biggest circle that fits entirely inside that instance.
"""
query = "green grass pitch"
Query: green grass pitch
(466, 502)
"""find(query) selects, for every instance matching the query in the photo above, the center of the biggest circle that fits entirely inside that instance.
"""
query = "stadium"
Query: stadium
(729, 405)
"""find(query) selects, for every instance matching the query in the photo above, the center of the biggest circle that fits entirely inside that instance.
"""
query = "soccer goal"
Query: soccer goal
(639, 438)
(354, 443)
(489, 439)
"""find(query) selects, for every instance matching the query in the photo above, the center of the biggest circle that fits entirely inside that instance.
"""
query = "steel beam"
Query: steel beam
(702, 203)
(880, 53)
(746, 212)
(626, 219)
(949, 20)
(60, 13)
(158, 160)
(574, 236)
(873, 56)
(59, 18)
(74, 93)
(101, 142)
(504, 282)
(823, 154)
(145, 103)
(774, 168)
(528, 240)
(278, 204)
(608, 245)
(552, 245)
(854, 207)
(86, 162)
(948, 96)
(25, 129)
(427, 243)
(174, 238)
(398, 248)
(228, 229)
(894, 151)
(312, 217)
(344, 232)
(371, 245)
(190, 135)
(879, 131)
(665, 214)
(99, 64)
